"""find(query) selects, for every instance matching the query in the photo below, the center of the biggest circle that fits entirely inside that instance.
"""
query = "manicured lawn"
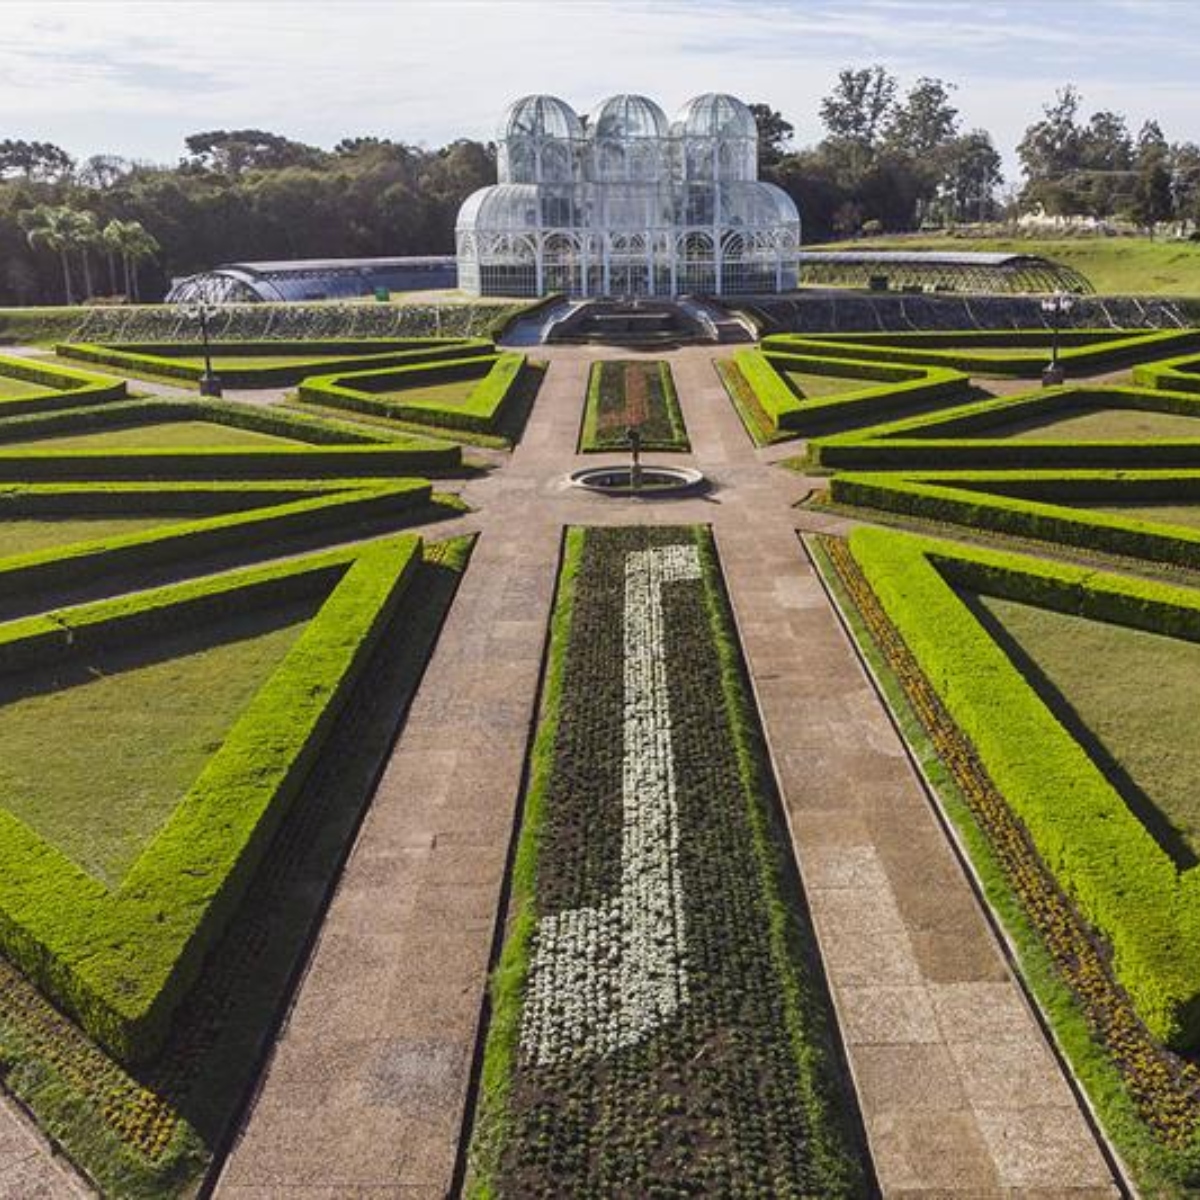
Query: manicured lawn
(435, 395)
(1115, 266)
(18, 389)
(1133, 698)
(166, 435)
(825, 385)
(95, 756)
(27, 534)
(253, 360)
(1096, 425)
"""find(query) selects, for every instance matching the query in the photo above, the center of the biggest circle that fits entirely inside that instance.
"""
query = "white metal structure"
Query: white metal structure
(627, 204)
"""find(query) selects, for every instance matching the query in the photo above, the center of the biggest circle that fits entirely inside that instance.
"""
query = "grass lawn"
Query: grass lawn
(164, 435)
(435, 395)
(1148, 510)
(825, 385)
(1115, 265)
(18, 389)
(96, 756)
(240, 361)
(25, 534)
(1130, 697)
(1096, 425)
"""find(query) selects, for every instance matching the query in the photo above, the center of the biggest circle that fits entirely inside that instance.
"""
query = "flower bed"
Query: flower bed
(660, 1021)
(632, 394)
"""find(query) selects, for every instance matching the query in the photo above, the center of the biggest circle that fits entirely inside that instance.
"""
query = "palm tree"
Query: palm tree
(87, 235)
(61, 230)
(133, 242)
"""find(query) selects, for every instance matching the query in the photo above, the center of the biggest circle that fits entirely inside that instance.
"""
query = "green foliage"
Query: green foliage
(626, 393)
(382, 392)
(958, 438)
(899, 387)
(121, 960)
(1019, 352)
(1123, 883)
(65, 388)
(181, 360)
(1038, 505)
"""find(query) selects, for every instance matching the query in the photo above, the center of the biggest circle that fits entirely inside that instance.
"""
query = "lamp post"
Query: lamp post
(210, 384)
(1055, 307)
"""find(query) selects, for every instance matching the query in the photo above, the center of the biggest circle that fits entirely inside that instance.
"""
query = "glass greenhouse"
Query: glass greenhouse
(627, 204)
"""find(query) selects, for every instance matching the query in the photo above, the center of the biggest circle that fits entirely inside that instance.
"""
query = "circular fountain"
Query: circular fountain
(640, 481)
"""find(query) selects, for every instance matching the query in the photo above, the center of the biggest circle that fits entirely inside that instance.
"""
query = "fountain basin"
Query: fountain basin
(654, 481)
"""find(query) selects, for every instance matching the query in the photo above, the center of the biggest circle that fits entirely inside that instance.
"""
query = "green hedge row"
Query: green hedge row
(162, 359)
(1029, 349)
(68, 388)
(1125, 886)
(360, 391)
(896, 388)
(316, 430)
(1037, 505)
(249, 462)
(346, 509)
(957, 437)
(1180, 374)
(121, 960)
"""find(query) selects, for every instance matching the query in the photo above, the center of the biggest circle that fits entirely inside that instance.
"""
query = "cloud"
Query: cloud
(135, 77)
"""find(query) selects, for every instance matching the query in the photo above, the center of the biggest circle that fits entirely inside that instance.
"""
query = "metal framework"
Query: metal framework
(313, 279)
(628, 205)
(941, 271)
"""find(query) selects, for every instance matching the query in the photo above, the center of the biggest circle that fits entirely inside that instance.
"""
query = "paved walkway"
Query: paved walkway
(367, 1089)
(29, 1167)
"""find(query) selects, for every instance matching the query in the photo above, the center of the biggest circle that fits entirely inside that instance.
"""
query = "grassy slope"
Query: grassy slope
(1173, 514)
(129, 736)
(437, 394)
(1135, 693)
(825, 385)
(14, 389)
(1115, 266)
(168, 434)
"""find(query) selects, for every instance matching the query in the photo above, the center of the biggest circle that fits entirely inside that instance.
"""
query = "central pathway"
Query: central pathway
(367, 1090)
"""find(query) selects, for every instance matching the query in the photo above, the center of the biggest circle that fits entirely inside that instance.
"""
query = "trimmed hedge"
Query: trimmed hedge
(1091, 349)
(1036, 504)
(1123, 883)
(69, 388)
(345, 509)
(302, 427)
(162, 358)
(249, 462)
(897, 388)
(939, 440)
(1180, 374)
(499, 376)
(120, 961)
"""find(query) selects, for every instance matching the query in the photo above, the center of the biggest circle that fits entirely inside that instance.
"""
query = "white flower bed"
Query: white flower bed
(604, 977)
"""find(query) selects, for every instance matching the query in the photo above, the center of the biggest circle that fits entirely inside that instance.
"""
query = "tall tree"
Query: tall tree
(61, 230)
(859, 107)
(774, 135)
(924, 121)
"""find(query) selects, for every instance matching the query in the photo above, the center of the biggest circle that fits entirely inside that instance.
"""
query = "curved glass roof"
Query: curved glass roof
(505, 206)
(715, 115)
(626, 117)
(539, 116)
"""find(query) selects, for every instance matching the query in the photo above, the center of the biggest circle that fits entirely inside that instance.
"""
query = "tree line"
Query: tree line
(887, 160)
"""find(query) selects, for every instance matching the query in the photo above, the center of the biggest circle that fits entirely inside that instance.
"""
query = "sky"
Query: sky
(135, 77)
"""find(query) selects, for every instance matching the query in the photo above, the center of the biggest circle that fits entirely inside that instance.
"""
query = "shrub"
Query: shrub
(121, 960)
(1123, 883)
(68, 388)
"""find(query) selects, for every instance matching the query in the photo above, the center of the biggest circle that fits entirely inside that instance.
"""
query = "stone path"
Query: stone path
(29, 1167)
(368, 1087)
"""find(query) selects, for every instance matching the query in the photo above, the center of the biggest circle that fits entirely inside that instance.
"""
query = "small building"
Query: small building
(314, 279)
(626, 203)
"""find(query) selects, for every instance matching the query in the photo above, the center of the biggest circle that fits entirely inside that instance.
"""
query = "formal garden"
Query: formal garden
(224, 608)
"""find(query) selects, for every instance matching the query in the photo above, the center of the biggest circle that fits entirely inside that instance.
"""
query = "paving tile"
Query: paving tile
(887, 1015)
(1042, 1148)
(924, 1154)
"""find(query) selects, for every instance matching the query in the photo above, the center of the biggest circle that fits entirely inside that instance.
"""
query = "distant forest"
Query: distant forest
(887, 162)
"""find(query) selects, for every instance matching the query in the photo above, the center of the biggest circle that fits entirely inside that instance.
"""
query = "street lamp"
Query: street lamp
(1055, 307)
(210, 384)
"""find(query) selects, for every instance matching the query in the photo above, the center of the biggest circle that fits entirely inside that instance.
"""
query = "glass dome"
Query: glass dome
(539, 117)
(628, 205)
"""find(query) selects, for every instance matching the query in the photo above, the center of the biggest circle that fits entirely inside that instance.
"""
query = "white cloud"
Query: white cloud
(134, 77)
